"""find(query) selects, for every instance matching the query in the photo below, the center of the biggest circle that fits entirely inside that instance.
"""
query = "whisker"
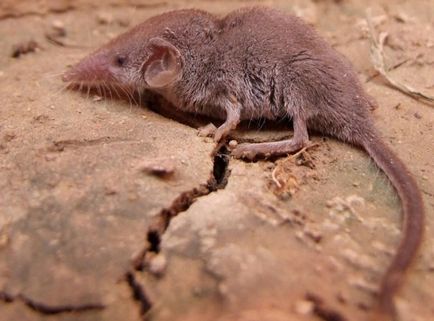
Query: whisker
(139, 92)
(116, 92)
(133, 99)
(109, 88)
(123, 92)
(99, 90)
(60, 90)
(104, 89)
(104, 95)
(136, 98)
(128, 96)
(88, 92)
(53, 74)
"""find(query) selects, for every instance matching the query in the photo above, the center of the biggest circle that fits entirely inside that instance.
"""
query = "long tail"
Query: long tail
(412, 228)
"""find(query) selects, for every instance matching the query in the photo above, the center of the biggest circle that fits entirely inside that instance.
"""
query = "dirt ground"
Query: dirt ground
(88, 185)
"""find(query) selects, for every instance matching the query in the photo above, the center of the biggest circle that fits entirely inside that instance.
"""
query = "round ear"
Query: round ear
(164, 64)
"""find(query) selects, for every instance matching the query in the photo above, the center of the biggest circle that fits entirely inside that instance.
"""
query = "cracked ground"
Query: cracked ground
(111, 211)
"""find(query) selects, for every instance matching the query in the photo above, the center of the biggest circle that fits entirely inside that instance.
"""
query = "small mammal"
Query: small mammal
(259, 63)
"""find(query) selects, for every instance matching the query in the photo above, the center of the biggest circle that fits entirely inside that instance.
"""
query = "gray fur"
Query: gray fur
(258, 63)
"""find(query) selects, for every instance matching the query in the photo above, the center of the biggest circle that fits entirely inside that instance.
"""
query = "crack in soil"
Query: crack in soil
(48, 309)
(182, 203)
(217, 180)
(139, 294)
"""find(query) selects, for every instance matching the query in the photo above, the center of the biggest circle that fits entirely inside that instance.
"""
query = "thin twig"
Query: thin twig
(273, 173)
(275, 180)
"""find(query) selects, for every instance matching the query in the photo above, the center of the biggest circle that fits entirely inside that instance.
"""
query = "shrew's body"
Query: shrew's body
(258, 63)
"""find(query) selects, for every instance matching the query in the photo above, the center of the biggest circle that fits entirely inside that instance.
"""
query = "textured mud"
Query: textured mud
(110, 211)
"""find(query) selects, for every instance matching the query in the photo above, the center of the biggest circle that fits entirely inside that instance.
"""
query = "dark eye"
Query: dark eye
(120, 60)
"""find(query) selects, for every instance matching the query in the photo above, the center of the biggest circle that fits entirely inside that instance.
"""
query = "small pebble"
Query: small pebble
(123, 22)
(58, 28)
(104, 18)
(158, 167)
(233, 144)
(58, 24)
(304, 307)
(158, 264)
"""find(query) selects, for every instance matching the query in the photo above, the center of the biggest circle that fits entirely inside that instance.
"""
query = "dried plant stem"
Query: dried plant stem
(378, 60)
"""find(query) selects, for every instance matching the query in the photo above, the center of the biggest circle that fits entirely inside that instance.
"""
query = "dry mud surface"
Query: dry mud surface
(304, 237)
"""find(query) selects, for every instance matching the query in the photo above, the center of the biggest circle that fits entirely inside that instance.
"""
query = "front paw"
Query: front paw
(221, 133)
(210, 130)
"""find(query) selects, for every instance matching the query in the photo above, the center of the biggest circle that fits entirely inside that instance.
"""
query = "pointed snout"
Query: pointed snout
(93, 69)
